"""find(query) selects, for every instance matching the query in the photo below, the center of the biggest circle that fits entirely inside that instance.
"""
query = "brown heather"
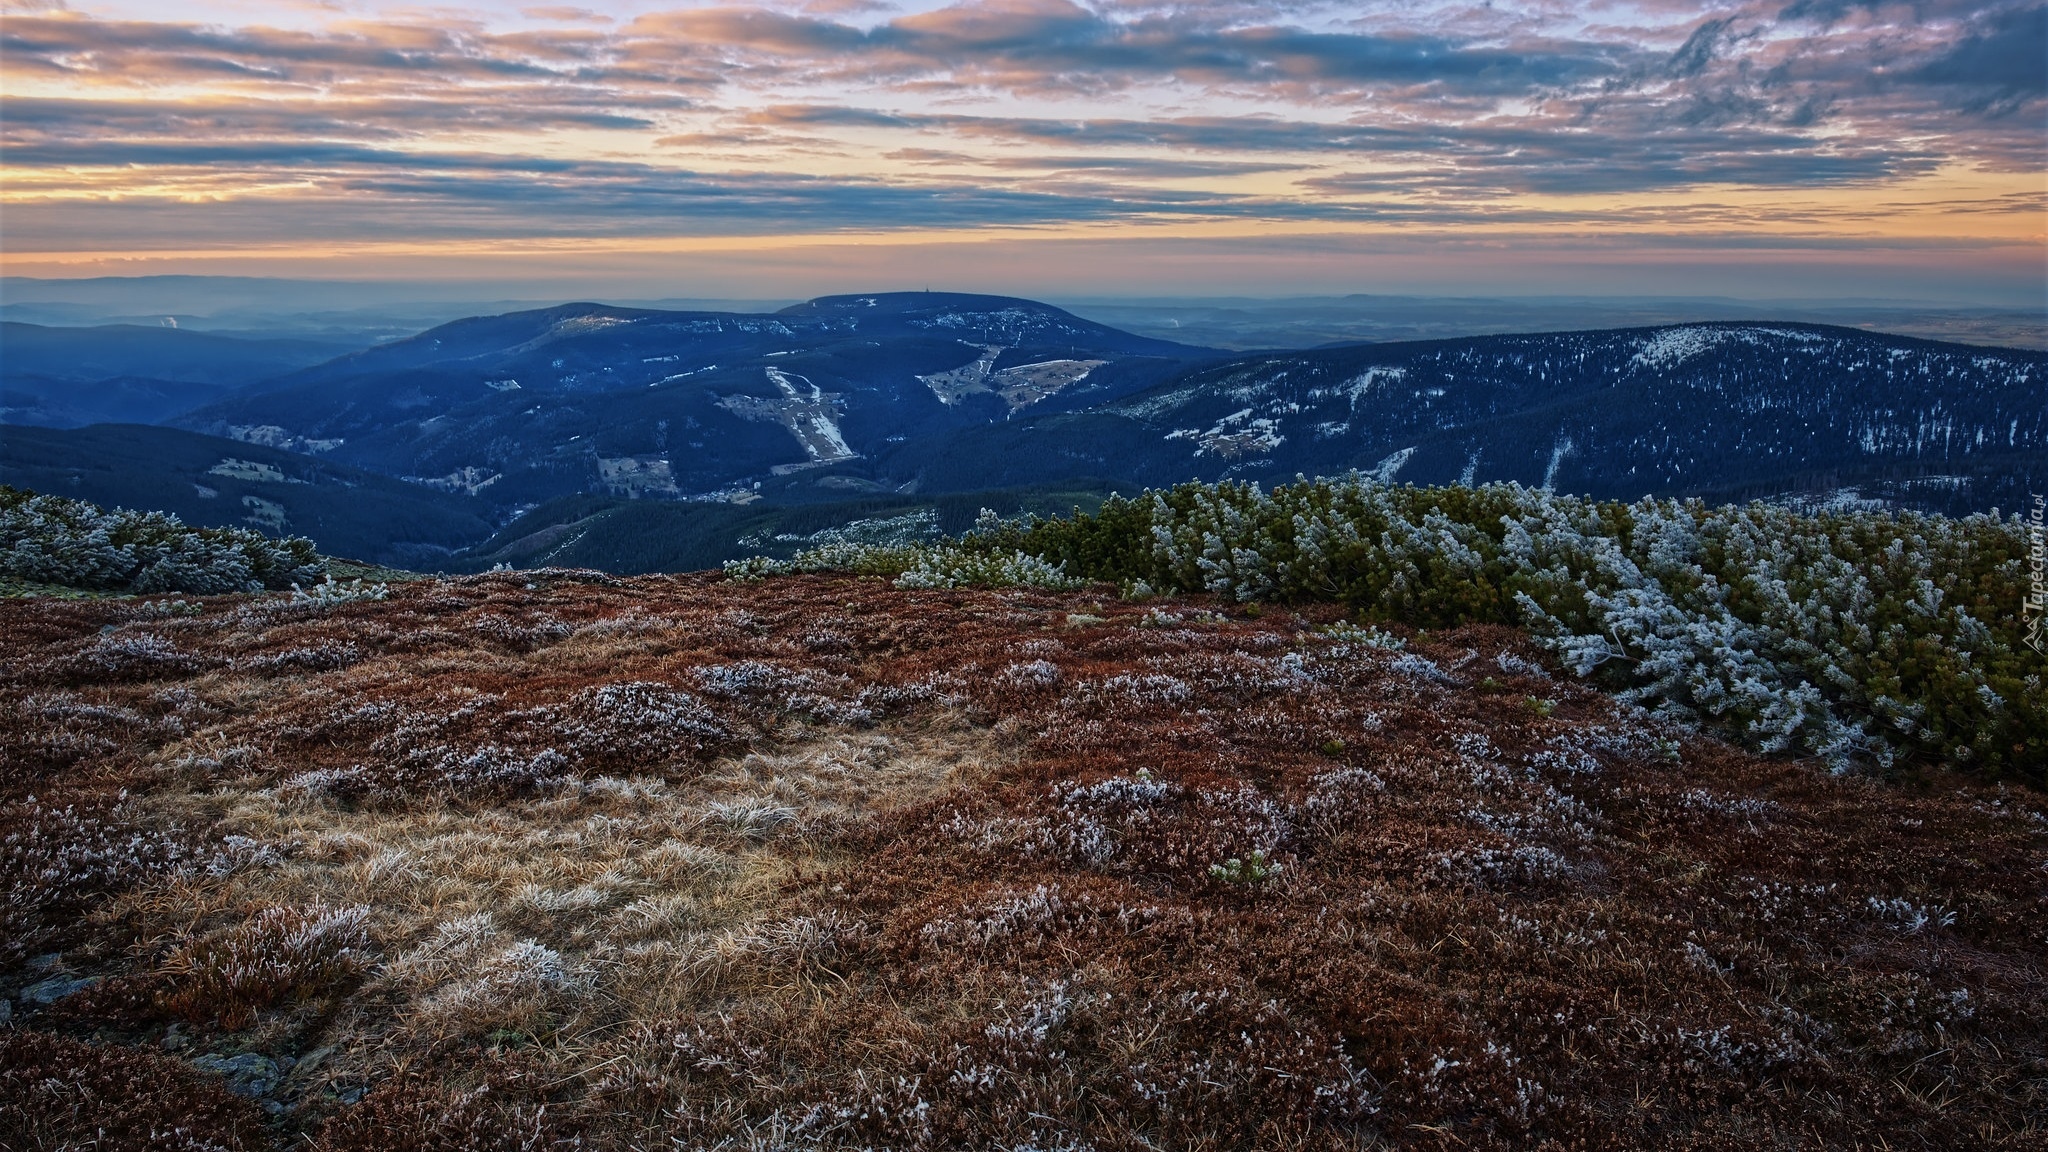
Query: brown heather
(547, 859)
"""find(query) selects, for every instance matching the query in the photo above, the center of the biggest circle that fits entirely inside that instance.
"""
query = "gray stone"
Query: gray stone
(305, 1065)
(6, 1011)
(249, 1074)
(56, 988)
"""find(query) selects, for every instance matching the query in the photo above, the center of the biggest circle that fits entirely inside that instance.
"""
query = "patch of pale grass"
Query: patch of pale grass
(570, 914)
(665, 916)
(836, 774)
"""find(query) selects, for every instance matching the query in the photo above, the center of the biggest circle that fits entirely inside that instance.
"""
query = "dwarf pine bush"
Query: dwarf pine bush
(1851, 636)
(916, 566)
(1254, 870)
(329, 594)
(1880, 638)
(56, 540)
(889, 560)
(944, 567)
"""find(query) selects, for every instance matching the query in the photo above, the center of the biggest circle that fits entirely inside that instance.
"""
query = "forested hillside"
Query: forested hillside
(1719, 411)
(209, 480)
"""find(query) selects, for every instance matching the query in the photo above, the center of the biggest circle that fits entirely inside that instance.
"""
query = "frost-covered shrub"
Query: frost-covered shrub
(1030, 675)
(537, 631)
(1127, 691)
(637, 723)
(133, 656)
(890, 560)
(328, 594)
(462, 774)
(1858, 637)
(56, 540)
(996, 920)
(494, 771)
(1520, 864)
(1351, 636)
(325, 656)
(1160, 618)
(59, 1092)
(964, 567)
(1341, 799)
(751, 679)
(878, 531)
(1907, 916)
(1128, 824)
(968, 563)
(1420, 669)
(166, 609)
(342, 785)
(241, 853)
(54, 858)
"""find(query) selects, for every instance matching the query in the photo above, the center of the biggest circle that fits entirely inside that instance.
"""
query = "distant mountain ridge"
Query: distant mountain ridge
(889, 399)
(588, 397)
(1721, 410)
(115, 373)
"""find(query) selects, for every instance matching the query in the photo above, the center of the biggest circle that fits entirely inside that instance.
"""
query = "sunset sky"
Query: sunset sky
(1205, 147)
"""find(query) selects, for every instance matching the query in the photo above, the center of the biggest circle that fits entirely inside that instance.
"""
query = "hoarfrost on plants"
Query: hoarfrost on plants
(956, 568)
(1859, 638)
(328, 593)
(57, 540)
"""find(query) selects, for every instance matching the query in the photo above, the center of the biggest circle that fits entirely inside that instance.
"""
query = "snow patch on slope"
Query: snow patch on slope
(1387, 469)
(1238, 434)
(1674, 346)
(810, 414)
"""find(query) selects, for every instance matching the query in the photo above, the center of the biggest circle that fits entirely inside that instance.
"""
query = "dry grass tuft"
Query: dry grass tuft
(279, 954)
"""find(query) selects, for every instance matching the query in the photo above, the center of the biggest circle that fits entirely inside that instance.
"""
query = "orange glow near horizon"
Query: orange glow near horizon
(384, 143)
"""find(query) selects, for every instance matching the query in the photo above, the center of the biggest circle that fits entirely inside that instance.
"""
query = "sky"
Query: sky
(1782, 149)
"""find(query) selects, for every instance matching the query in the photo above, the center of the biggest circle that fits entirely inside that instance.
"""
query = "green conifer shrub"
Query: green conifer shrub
(75, 544)
(1887, 639)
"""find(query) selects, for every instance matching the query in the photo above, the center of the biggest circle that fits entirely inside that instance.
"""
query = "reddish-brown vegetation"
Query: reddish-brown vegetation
(531, 858)
(57, 1092)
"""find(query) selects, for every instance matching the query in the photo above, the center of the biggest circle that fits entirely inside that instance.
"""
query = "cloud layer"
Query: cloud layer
(819, 118)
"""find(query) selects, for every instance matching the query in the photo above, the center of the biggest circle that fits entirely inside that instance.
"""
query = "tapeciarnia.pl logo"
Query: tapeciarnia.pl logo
(2036, 608)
